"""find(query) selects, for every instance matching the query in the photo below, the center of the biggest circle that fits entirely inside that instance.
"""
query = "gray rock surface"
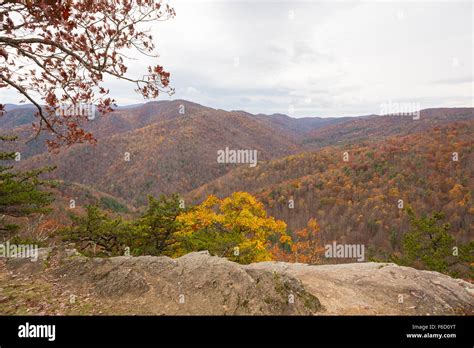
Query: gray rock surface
(198, 283)
(380, 288)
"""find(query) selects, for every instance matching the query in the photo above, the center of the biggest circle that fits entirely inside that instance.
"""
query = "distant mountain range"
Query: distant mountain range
(172, 146)
(169, 151)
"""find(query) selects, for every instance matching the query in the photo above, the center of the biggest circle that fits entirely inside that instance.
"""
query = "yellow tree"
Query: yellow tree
(236, 227)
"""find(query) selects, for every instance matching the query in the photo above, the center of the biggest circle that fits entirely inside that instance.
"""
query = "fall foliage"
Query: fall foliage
(58, 52)
(307, 246)
(239, 220)
(236, 227)
(358, 201)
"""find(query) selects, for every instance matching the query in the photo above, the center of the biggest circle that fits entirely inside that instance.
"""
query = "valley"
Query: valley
(349, 173)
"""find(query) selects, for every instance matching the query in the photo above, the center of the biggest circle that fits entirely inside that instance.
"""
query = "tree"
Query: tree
(63, 49)
(307, 246)
(20, 192)
(37, 230)
(98, 234)
(428, 244)
(156, 229)
(236, 227)
(154, 233)
(219, 241)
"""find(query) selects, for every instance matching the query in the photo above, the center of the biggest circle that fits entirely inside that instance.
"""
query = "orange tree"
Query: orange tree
(307, 246)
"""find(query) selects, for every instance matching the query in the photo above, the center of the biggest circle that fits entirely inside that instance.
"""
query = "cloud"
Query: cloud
(322, 58)
(456, 80)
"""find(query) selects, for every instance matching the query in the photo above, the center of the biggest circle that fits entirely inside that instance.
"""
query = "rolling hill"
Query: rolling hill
(356, 201)
(389, 158)
(168, 151)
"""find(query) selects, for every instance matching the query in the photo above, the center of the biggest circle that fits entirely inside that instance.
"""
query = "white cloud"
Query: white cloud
(324, 58)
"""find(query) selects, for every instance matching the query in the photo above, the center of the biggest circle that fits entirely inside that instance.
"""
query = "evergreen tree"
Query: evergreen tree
(20, 191)
(97, 234)
(155, 230)
(153, 233)
(428, 244)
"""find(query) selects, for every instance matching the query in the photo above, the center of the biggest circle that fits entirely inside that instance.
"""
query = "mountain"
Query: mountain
(372, 127)
(16, 116)
(357, 200)
(169, 151)
(123, 119)
(299, 128)
(172, 147)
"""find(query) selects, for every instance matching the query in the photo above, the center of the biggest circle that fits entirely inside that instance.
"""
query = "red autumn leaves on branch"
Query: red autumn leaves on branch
(57, 52)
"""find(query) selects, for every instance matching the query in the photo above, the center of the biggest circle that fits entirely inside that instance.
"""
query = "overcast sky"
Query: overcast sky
(313, 58)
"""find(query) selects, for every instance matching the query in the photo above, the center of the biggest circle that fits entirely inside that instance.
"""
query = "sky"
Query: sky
(312, 58)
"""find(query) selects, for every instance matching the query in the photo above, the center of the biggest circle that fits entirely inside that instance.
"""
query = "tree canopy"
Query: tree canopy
(59, 51)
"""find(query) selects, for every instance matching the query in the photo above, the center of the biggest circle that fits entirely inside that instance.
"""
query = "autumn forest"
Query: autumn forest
(352, 180)
(223, 158)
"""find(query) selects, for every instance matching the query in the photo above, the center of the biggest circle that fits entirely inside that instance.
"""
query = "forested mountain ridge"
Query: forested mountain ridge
(169, 147)
(174, 153)
(357, 200)
(377, 127)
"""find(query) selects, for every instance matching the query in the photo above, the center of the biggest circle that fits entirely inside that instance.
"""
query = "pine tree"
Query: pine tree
(428, 244)
(21, 192)
(97, 234)
(155, 230)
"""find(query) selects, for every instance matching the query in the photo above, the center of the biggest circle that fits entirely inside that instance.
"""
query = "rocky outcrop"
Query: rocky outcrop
(198, 283)
(379, 288)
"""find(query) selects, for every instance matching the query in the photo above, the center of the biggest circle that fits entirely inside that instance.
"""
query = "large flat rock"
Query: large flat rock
(200, 284)
(379, 288)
